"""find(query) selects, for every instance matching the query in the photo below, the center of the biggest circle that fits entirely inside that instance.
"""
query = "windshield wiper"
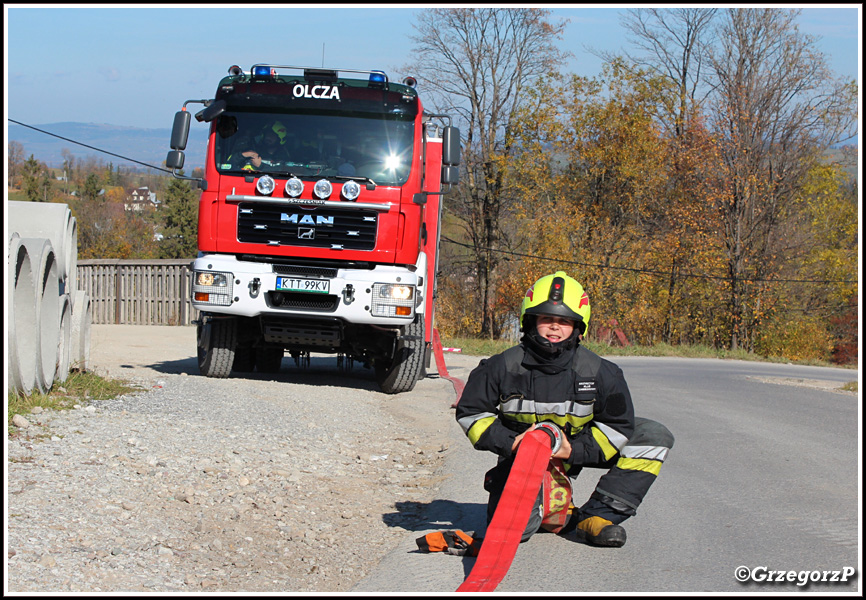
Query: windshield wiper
(371, 185)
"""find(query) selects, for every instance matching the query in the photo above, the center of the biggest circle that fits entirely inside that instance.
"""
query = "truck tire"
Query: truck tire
(269, 360)
(216, 347)
(405, 368)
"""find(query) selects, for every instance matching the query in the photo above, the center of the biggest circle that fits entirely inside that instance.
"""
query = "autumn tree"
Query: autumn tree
(107, 230)
(672, 44)
(478, 63)
(68, 167)
(818, 295)
(15, 162)
(776, 106)
(592, 174)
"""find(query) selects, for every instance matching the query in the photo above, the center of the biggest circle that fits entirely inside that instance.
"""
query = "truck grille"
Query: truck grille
(302, 301)
(293, 226)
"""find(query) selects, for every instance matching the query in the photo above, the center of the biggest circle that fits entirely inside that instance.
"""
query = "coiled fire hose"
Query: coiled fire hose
(514, 508)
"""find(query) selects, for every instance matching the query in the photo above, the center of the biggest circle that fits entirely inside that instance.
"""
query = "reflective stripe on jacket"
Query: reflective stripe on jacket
(504, 395)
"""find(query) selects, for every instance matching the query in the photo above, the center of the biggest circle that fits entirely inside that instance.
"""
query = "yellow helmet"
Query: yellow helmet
(280, 130)
(558, 295)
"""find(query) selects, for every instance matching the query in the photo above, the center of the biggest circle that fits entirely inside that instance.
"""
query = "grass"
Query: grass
(78, 389)
(485, 347)
(851, 386)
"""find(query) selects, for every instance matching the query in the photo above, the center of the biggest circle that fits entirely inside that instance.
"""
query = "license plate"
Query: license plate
(292, 284)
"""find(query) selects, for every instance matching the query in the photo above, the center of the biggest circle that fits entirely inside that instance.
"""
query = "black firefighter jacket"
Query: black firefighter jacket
(584, 394)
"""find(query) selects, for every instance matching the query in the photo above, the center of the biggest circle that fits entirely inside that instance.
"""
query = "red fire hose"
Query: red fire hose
(443, 370)
(512, 513)
(517, 500)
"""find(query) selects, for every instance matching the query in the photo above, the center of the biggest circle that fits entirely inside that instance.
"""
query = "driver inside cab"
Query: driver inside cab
(269, 151)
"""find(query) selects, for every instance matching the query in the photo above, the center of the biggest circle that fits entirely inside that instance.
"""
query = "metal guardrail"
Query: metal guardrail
(138, 292)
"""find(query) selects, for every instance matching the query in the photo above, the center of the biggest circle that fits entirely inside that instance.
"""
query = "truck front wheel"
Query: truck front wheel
(400, 374)
(217, 339)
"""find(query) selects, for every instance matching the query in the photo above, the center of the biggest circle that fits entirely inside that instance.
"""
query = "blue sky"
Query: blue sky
(135, 65)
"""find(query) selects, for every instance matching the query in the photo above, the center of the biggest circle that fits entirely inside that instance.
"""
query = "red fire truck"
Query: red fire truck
(319, 217)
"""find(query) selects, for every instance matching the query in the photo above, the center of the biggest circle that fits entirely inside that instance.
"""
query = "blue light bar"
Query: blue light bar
(377, 78)
(262, 71)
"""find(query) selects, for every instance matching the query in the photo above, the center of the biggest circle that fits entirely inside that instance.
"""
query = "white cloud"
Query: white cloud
(110, 73)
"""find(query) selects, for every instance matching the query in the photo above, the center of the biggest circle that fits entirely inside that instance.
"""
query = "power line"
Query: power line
(647, 271)
(91, 147)
(517, 254)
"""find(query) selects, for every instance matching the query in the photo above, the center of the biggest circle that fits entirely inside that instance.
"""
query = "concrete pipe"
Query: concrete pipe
(47, 289)
(71, 240)
(21, 297)
(65, 339)
(48, 220)
(80, 334)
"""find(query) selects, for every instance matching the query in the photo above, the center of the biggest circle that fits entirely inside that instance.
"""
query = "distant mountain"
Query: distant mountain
(148, 146)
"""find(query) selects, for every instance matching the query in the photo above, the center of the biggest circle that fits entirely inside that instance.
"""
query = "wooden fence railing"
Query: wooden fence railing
(138, 292)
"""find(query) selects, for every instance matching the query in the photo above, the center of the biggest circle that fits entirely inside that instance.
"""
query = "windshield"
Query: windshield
(316, 144)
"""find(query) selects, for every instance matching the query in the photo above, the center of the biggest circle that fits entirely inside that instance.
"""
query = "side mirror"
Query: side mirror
(174, 160)
(450, 174)
(451, 146)
(180, 130)
(211, 111)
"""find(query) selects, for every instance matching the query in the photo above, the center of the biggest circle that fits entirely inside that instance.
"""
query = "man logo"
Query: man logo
(319, 220)
(306, 234)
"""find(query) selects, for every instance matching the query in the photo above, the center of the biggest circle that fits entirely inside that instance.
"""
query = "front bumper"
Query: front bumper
(223, 284)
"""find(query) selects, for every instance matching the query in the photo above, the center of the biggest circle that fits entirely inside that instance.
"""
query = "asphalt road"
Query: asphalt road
(764, 474)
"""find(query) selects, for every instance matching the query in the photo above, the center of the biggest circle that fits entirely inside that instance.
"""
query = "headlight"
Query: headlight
(294, 187)
(322, 189)
(396, 292)
(266, 185)
(212, 287)
(393, 300)
(351, 190)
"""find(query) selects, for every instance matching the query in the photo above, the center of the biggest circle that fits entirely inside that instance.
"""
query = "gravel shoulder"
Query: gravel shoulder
(295, 482)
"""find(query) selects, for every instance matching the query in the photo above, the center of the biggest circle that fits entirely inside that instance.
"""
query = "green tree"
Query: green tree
(92, 187)
(46, 189)
(30, 180)
(180, 221)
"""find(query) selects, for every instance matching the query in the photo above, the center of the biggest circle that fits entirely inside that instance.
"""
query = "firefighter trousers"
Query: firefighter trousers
(618, 493)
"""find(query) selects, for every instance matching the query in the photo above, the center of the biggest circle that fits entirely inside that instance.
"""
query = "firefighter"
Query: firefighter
(550, 377)
(270, 150)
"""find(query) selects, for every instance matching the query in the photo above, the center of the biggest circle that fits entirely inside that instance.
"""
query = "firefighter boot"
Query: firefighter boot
(600, 532)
